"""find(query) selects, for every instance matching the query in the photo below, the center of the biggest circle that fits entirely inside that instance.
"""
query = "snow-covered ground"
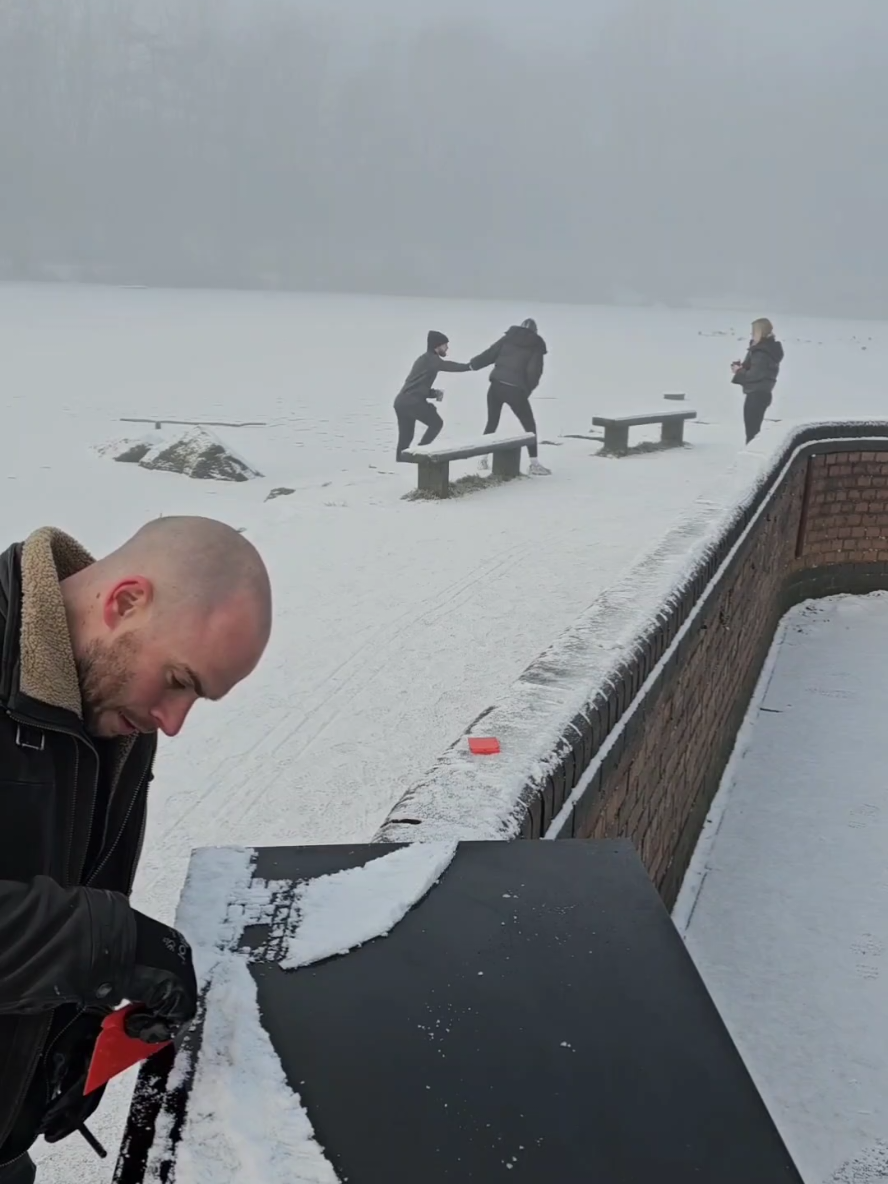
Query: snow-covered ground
(396, 622)
(786, 906)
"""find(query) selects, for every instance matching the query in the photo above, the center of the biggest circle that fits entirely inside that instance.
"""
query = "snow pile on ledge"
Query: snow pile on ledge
(244, 1122)
(193, 453)
(339, 912)
(468, 797)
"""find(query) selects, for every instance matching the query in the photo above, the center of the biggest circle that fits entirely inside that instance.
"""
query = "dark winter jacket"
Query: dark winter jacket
(517, 359)
(418, 384)
(760, 368)
(67, 934)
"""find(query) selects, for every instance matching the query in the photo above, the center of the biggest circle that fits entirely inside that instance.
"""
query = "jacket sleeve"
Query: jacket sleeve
(452, 367)
(62, 945)
(534, 371)
(488, 356)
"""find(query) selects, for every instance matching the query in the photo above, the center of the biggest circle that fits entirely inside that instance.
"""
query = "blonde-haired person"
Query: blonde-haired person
(757, 374)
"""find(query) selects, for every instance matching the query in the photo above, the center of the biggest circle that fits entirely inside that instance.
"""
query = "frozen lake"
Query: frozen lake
(397, 622)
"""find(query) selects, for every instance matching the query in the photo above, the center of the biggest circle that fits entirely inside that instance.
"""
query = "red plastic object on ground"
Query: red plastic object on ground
(484, 745)
(115, 1051)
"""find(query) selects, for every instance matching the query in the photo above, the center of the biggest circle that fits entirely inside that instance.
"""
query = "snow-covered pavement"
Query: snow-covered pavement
(396, 622)
(788, 898)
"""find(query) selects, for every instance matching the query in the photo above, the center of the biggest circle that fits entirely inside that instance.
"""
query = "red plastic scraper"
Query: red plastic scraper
(115, 1052)
(484, 745)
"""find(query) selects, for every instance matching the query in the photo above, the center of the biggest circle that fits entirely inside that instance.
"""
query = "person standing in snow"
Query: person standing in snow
(517, 360)
(96, 658)
(757, 374)
(412, 402)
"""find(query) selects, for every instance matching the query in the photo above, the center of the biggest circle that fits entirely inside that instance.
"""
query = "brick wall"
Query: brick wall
(653, 746)
(846, 518)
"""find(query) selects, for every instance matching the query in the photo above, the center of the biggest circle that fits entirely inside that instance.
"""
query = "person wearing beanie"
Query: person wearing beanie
(412, 404)
(757, 375)
(517, 360)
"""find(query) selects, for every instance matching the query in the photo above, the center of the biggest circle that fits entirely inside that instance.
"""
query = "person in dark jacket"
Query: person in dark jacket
(757, 374)
(412, 401)
(96, 657)
(517, 360)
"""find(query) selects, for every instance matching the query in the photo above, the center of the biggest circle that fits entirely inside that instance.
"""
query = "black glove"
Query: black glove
(162, 981)
(67, 1064)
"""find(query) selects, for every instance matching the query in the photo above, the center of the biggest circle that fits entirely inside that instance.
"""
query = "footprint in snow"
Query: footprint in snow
(871, 1167)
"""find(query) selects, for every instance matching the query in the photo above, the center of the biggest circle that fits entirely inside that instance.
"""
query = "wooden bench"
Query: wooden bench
(616, 428)
(433, 463)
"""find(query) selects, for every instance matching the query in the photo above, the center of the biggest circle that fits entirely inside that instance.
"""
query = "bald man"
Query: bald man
(96, 658)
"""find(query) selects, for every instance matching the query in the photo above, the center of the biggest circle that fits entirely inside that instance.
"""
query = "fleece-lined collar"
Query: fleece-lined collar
(48, 671)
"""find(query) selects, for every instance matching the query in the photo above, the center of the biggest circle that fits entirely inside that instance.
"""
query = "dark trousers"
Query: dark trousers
(500, 395)
(754, 408)
(408, 417)
(20, 1171)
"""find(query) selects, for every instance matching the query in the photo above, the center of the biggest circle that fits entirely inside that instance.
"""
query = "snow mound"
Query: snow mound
(194, 453)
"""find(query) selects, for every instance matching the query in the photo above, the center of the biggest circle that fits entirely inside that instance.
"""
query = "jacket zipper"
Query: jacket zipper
(140, 785)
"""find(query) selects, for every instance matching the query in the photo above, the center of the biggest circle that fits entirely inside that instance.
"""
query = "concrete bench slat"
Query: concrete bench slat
(603, 421)
(467, 449)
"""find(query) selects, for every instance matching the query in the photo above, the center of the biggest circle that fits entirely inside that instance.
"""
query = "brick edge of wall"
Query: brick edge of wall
(605, 808)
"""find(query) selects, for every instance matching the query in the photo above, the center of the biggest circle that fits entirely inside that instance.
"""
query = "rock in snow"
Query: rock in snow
(194, 453)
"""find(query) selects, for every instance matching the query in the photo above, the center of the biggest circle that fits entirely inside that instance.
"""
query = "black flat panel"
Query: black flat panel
(535, 1018)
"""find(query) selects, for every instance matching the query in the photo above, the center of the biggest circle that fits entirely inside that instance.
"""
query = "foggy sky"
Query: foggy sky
(602, 150)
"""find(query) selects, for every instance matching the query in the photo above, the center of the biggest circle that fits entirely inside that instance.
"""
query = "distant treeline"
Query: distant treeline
(189, 142)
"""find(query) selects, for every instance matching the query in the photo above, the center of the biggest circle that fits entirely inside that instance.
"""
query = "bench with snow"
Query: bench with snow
(433, 464)
(616, 428)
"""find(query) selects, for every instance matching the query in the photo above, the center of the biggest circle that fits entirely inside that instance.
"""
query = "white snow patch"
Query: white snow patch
(244, 1121)
(346, 909)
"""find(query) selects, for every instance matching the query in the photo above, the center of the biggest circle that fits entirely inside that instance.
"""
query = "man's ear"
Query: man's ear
(127, 600)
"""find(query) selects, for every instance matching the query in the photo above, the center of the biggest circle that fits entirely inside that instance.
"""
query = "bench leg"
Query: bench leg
(672, 432)
(507, 463)
(433, 478)
(616, 438)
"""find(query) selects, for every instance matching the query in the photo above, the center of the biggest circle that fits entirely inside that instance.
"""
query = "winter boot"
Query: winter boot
(538, 470)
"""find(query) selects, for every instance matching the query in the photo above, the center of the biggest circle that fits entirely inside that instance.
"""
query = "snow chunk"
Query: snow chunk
(244, 1121)
(194, 453)
(216, 902)
(346, 909)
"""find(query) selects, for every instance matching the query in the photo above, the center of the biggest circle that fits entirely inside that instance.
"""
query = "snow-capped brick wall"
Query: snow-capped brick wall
(821, 528)
(644, 754)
